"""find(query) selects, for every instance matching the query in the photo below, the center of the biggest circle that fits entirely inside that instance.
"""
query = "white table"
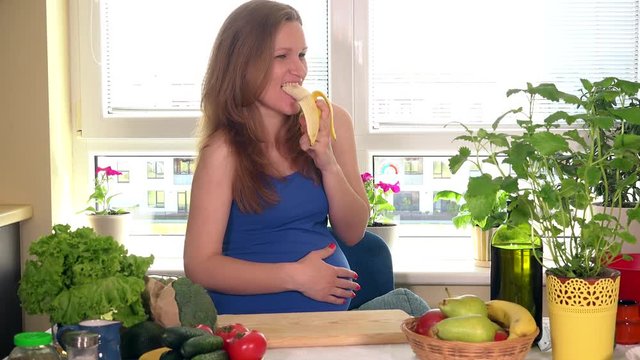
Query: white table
(382, 352)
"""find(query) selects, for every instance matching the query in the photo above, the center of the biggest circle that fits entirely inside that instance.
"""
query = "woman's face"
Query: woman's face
(289, 66)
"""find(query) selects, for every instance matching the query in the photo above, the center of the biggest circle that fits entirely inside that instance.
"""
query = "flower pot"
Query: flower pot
(482, 246)
(582, 315)
(388, 232)
(116, 226)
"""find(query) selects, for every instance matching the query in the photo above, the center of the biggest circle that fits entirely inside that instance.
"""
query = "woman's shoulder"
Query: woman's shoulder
(216, 148)
(342, 120)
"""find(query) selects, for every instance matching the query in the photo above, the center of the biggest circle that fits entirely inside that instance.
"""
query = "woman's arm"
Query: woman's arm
(337, 160)
(211, 198)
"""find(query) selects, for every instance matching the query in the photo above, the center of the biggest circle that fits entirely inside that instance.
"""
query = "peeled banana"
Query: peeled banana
(311, 112)
(511, 316)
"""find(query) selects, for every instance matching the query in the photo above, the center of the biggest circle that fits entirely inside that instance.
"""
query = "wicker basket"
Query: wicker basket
(428, 348)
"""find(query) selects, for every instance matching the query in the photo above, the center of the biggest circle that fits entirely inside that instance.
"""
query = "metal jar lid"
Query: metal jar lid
(80, 339)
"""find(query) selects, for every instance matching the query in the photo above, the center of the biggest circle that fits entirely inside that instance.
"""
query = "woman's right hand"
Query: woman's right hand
(324, 282)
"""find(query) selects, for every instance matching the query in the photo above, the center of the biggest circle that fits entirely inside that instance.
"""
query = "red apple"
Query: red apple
(427, 320)
(500, 335)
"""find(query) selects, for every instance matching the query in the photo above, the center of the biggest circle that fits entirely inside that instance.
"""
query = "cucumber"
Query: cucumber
(214, 355)
(171, 355)
(174, 337)
(200, 345)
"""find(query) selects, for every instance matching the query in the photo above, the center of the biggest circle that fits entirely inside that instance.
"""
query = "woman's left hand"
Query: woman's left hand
(321, 152)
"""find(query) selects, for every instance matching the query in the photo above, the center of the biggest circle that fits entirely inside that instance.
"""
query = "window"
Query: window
(155, 198)
(444, 62)
(184, 166)
(183, 201)
(402, 69)
(441, 170)
(145, 76)
(155, 170)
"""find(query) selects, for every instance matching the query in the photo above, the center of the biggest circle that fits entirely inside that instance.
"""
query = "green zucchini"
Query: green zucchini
(214, 355)
(174, 337)
(200, 345)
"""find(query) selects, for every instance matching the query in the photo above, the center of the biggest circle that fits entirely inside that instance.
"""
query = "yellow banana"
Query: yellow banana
(311, 112)
(512, 316)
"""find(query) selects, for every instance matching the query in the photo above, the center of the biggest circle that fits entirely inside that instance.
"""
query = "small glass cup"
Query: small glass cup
(628, 322)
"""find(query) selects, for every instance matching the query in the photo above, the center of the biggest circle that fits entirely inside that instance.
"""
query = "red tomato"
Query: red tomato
(227, 333)
(247, 346)
(205, 328)
(427, 320)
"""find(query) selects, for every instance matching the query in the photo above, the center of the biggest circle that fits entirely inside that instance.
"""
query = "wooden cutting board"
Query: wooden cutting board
(333, 328)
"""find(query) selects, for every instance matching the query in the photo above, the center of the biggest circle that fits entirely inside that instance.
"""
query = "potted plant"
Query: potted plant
(104, 218)
(550, 168)
(377, 194)
(482, 229)
(611, 95)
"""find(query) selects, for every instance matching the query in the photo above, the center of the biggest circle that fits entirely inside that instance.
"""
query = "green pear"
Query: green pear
(467, 328)
(463, 305)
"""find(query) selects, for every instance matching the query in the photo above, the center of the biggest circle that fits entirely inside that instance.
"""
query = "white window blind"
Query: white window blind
(454, 60)
(155, 52)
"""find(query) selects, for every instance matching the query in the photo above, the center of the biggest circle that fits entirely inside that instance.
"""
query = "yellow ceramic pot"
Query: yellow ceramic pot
(582, 315)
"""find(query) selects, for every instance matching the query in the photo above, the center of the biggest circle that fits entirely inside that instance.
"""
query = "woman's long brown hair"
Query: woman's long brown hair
(238, 72)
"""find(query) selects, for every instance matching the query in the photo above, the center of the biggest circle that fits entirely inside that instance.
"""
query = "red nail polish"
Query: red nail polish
(332, 246)
(353, 295)
(357, 287)
(355, 276)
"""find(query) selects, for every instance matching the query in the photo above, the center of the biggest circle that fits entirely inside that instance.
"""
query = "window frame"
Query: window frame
(347, 83)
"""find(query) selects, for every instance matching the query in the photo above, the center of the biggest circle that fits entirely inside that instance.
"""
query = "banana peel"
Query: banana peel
(307, 101)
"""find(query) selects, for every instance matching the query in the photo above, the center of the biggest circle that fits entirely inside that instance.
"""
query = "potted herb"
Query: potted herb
(550, 168)
(608, 95)
(482, 229)
(104, 218)
(377, 194)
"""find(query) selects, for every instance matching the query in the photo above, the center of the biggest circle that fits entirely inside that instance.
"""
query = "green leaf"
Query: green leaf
(630, 114)
(633, 215)
(456, 161)
(549, 143)
(480, 195)
(448, 195)
(627, 141)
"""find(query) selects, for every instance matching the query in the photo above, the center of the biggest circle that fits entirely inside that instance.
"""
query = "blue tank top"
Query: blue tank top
(284, 232)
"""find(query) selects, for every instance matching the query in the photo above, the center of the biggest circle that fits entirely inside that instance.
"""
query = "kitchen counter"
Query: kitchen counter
(384, 352)
(10, 214)
(11, 314)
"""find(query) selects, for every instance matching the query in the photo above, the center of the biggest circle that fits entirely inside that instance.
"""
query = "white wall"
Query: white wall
(35, 136)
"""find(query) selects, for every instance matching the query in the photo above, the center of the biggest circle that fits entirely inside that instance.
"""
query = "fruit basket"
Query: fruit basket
(428, 348)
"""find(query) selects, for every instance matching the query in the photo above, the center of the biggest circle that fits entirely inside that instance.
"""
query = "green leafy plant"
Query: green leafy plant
(550, 170)
(377, 193)
(79, 275)
(101, 196)
(465, 218)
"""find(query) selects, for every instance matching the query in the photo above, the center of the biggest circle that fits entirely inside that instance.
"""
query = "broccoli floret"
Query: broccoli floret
(195, 306)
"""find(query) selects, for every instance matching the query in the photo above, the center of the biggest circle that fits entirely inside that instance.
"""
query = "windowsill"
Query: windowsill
(416, 261)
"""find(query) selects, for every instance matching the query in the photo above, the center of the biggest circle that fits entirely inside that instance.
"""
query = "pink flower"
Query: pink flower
(366, 177)
(386, 187)
(108, 170)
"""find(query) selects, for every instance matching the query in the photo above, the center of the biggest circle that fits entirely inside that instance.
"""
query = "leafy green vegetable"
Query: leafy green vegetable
(78, 275)
(194, 304)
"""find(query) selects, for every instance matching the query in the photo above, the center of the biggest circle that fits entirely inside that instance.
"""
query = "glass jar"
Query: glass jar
(81, 345)
(33, 346)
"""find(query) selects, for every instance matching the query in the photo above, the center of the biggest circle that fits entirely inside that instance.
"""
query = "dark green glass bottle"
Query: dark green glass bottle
(516, 274)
